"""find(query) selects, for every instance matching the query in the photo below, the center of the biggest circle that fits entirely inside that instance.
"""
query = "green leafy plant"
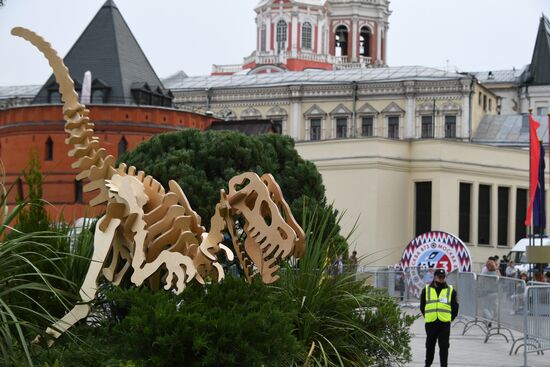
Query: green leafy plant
(227, 324)
(38, 263)
(341, 320)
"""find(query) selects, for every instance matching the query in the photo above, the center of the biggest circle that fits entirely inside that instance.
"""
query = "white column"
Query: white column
(409, 120)
(465, 118)
(354, 57)
(294, 44)
(319, 37)
(379, 43)
(295, 119)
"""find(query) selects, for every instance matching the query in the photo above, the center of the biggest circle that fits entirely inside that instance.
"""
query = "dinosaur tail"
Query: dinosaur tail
(92, 161)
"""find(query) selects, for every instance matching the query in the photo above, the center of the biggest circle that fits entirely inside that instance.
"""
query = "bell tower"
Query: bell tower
(296, 35)
(358, 31)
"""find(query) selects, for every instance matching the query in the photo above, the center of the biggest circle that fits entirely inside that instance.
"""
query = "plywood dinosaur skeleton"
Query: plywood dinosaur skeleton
(154, 234)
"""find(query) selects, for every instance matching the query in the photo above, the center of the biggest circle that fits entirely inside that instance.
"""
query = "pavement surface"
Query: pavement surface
(469, 350)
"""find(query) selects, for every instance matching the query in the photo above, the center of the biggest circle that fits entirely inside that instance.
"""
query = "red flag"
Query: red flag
(534, 159)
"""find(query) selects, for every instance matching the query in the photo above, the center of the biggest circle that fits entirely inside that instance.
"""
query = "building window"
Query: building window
(341, 41)
(54, 97)
(393, 127)
(423, 207)
(277, 126)
(306, 36)
(122, 146)
(521, 209)
(281, 35)
(484, 215)
(479, 98)
(364, 42)
(427, 127)
(98, 96)
(341, 127)
(262, 38)
(464, 207)
(78, 192)
(367, 126)
(542, 111)
(484, 103)
(48, 154)
(503, 198)
(315, 129)
(450, 126)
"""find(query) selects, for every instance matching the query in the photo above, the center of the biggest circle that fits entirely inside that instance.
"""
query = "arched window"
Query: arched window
(262, 38)
(341, 41)
(281, 35)
(364, 42)
(122, 146)
(306, 36)
(48, 153)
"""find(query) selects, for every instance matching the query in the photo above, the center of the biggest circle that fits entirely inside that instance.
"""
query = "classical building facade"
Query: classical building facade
(402, 150)
(393, 102)
(296, 35)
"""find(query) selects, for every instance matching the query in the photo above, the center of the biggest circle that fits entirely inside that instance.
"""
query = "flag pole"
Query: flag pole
(530, 229)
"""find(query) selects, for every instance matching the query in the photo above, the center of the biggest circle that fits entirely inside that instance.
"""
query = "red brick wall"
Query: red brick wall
(26, 128)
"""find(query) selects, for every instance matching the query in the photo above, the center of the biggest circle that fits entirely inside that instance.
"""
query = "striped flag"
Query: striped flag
(534, 159)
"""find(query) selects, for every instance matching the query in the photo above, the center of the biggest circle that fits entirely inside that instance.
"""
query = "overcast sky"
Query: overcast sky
(191, 35)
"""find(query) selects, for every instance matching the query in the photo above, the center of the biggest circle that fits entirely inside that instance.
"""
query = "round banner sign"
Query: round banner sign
(430, 251)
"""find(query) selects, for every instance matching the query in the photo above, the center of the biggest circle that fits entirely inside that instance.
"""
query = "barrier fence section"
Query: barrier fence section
(497, 305)
(536, 320)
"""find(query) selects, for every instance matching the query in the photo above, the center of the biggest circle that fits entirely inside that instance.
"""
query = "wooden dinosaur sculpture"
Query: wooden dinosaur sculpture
(154, 234)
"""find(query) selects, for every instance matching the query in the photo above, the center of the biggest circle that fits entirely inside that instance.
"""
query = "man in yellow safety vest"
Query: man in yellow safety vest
(439, 305)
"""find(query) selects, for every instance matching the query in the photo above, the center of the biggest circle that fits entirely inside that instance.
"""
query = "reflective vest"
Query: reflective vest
(438, 307)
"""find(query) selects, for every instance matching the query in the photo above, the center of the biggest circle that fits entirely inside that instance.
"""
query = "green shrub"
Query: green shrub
(227, 324)
(341, 321)
(203, 163)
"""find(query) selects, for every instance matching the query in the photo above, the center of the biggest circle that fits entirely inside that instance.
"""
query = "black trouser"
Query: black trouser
(437, 332)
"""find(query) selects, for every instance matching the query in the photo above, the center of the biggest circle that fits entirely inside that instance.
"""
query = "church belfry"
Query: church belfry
(297, 35)
(363, 26)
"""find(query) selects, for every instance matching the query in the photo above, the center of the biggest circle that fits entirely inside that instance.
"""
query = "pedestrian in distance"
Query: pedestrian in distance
(353, 261)
(439, 305)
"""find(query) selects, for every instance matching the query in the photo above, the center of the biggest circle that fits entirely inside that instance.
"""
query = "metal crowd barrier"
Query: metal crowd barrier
(536, 321)
(497, 305)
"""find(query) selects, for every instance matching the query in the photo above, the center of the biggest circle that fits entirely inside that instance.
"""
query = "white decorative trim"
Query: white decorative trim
(315, 112)
(367, 109)
(341, 110)
(250, 114)
(393, 109)
(276, 111)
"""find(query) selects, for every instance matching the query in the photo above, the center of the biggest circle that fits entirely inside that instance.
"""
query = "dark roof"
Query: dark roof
(539, 70)
(508, 130)
(110, 51)
(248, 127)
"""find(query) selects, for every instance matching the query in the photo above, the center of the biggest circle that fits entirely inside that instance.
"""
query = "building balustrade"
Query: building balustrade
(266, 58)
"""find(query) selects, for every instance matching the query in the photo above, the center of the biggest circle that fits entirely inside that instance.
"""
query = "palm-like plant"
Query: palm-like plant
(23, 284)
(341, 320)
